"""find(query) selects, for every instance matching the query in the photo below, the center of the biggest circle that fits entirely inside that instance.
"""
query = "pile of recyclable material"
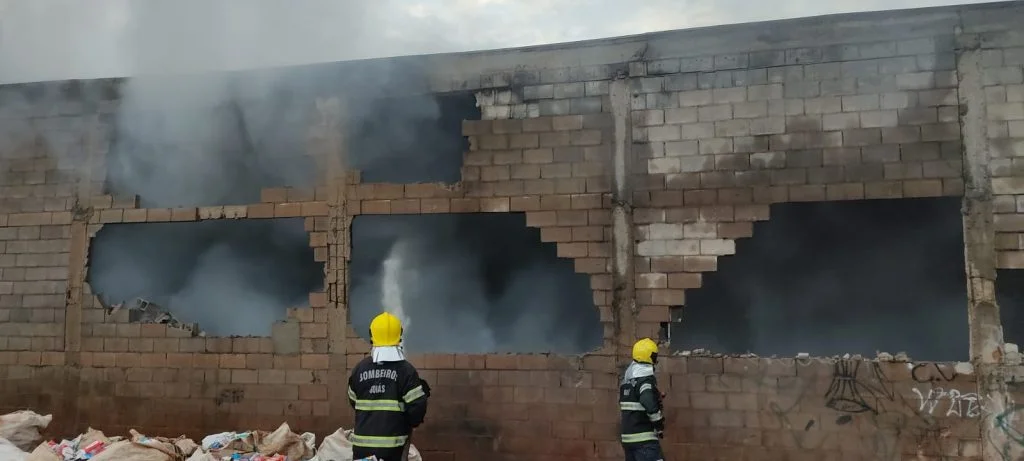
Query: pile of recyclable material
(21, 440)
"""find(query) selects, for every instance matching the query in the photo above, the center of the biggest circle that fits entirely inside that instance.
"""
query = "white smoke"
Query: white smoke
(185, 137)
(470, 284)
(395, 275)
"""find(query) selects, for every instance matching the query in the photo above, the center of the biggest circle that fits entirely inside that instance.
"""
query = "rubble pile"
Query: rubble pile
(144, 311)
(20, 440)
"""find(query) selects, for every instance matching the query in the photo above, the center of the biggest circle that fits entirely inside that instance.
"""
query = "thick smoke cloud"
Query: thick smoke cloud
(186, 133)
(232, 277)
(836, 278)
(83, 39)
(186, 136)
(118, 38)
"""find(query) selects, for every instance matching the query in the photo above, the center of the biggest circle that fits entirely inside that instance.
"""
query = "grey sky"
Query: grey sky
(60, 39)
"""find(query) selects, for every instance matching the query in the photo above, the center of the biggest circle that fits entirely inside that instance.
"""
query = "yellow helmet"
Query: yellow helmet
(385, 330)
(645, 351)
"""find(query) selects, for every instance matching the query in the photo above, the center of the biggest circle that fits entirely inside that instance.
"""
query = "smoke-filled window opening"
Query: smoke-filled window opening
(1010, 296)
(208, 141)
(470, 283)
(231, 277)
(832, 278)
(410, 138)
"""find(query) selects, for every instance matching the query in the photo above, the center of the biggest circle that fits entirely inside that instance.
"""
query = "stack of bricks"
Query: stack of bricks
(1003, 64)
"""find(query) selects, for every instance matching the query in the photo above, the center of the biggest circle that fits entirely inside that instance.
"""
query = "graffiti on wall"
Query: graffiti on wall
(954, 403)
(850, 394)
(933, 372)
(930, 407)
(859, 393)
(1003, 418)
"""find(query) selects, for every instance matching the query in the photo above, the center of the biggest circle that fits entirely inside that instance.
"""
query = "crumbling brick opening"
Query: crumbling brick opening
(830, 278)
(470, 283)
(411, 139)
(206, 141)
(232, 278)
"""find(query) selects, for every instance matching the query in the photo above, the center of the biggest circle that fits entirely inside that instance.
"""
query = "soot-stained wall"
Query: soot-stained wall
(841, 277)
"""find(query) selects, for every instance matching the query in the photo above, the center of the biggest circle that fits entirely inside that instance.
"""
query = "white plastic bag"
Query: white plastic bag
(338, 447)
(214, 441)
(9, 452)
(22, 428)
(414, 454)
(285, 442)
(335, 447)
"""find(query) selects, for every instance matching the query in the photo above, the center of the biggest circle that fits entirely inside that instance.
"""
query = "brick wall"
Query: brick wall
(1003, 61)
(721, 137)
(170, 379)
(643, 160)
(44, 169)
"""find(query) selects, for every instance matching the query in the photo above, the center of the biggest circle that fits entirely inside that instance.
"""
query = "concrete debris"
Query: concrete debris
(144, 311)
(879, 356)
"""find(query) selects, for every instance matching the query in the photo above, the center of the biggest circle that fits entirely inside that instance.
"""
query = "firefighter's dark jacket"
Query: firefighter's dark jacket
(640, 405)
(390, 400)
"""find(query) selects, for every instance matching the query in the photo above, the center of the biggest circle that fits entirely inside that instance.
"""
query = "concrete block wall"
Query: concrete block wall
(45, 172)
(168, 377)
(643, 160)
(721, 137)
(1003, 63)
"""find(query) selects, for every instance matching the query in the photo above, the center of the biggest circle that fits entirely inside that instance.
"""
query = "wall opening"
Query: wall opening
(842, 277)
(1010, 296)
(470, 283)
(412, 139)
(233, 278)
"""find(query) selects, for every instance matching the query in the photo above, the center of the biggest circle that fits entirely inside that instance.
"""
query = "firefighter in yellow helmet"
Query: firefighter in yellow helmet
(640, 405)
(388, 396)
